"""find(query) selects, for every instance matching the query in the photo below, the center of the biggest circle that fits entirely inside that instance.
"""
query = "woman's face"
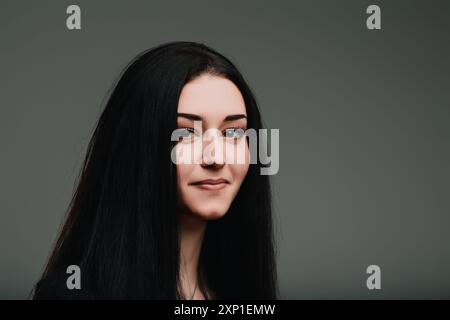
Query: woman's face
(220, 154)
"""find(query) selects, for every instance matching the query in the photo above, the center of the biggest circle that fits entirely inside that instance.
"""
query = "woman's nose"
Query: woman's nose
(212, 153)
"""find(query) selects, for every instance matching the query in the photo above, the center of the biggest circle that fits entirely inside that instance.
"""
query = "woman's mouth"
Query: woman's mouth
(211, 184)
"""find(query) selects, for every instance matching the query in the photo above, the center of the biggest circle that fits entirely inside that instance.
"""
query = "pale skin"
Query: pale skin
(219, 104)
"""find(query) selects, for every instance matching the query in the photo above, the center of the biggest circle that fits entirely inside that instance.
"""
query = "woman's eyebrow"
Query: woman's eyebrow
(189, 116)
(230, 117)
(235, 117)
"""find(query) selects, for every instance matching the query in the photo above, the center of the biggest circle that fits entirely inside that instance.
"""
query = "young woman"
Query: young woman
(141, 226)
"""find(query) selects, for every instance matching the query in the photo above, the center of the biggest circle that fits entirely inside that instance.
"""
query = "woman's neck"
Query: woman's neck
(191, 230)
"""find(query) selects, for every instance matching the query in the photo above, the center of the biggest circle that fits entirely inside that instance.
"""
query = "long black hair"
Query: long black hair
(121, 227)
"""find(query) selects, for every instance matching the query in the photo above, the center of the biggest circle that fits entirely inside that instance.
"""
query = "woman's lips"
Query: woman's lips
(211, 184)
(208, 186)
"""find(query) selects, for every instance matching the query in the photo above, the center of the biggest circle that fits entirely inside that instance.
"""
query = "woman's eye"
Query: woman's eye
(185, 133)
(234, 133)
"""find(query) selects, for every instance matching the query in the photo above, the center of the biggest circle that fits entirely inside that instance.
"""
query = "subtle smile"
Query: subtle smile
(211, 184)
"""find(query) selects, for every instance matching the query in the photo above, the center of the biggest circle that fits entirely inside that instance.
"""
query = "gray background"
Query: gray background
(363, 118)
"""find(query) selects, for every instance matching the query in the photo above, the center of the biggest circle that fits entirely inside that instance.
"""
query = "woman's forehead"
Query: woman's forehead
(212, 98)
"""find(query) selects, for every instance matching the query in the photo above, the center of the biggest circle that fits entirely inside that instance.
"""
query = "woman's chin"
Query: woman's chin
(211, 213)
